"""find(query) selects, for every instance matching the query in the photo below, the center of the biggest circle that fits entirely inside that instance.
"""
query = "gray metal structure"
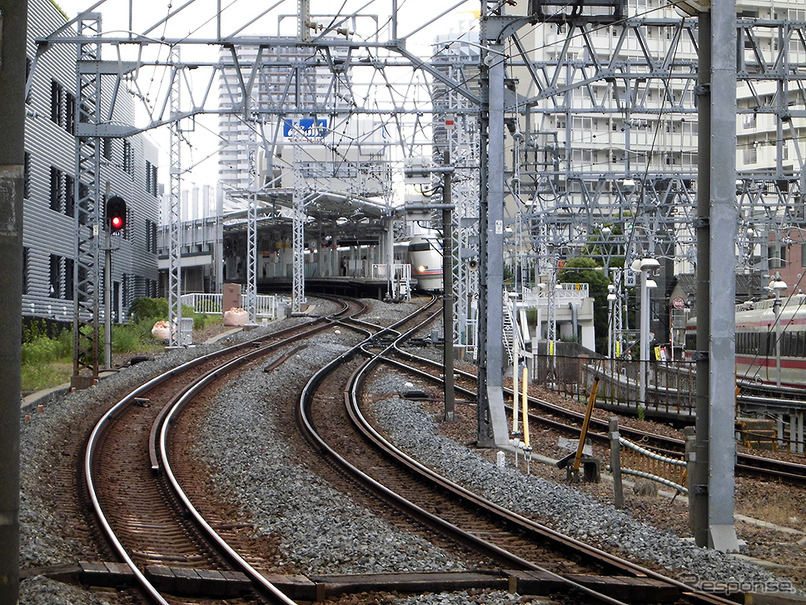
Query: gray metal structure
(13, 19)
(174, 225)
(298, 238)
(712, 483)
(251, 232)
(88, 214)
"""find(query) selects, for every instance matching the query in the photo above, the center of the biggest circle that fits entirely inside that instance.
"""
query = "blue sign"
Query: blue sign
(308, 128)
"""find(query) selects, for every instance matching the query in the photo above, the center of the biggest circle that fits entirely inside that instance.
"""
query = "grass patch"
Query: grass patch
(47, 358)
(36, 377)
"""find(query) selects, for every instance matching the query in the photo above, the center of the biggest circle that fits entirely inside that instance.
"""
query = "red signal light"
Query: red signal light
(116, 214)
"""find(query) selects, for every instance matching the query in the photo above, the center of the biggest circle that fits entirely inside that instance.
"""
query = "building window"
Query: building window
(54, 290)
(776, 255)
(151, 178)
(127, 228)
(28, 64)
(69, 265)
(56, 197)
(25, 254)
(749, 155)
(56, 102)
(69, 195)
(128, 165)
(151, 236)
(107, 149)
(26, 176)
(70, 113)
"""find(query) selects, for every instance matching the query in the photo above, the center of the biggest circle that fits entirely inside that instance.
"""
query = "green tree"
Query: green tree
(586, 270)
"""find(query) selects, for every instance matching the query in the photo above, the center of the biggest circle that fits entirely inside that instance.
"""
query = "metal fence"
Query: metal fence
(266, 305)
(670, 386)
(630, 458)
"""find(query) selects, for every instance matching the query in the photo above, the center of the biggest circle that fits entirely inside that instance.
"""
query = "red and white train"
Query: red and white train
(759, 325)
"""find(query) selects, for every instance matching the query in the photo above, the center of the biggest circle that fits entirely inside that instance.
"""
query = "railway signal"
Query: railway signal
(116, 214)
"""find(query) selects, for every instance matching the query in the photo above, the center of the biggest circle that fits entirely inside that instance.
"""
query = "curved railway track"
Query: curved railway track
(568, 422)
(147, 518)
(497, 535)
(145, 497)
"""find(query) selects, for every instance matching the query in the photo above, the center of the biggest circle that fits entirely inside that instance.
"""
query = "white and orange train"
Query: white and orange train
(425, 256)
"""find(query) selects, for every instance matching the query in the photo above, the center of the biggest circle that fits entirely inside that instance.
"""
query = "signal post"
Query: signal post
(115, 222)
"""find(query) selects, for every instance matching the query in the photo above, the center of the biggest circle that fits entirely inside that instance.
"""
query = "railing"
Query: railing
(266, 305)
(669, 393)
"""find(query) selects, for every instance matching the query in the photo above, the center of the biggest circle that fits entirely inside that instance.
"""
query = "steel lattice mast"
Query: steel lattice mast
(251, 231)
(175, 237)
(298, 237)
(88, 216)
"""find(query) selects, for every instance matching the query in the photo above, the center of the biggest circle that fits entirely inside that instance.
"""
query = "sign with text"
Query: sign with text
(304, 129)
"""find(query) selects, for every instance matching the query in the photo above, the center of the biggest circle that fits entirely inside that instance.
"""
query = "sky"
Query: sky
(198, 21)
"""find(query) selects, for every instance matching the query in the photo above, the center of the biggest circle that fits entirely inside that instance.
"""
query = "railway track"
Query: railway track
(568, 422)
(498, 536)
(145, 493)
(146, 516)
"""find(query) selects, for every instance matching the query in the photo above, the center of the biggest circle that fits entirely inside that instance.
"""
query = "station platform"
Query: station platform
(357, 287)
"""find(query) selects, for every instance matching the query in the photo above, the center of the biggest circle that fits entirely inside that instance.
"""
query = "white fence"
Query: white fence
(266, 305)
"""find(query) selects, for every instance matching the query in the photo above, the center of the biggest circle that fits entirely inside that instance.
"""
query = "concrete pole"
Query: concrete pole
(13, 29)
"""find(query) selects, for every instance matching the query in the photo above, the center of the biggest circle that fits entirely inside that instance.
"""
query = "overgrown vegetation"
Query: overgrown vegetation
(47, 351)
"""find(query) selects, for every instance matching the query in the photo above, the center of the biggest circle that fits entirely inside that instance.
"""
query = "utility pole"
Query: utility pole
(712, 485)
(492, 422)
(13, 31)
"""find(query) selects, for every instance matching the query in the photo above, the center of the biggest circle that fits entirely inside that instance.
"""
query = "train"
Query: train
(758, 326)
(425, 256)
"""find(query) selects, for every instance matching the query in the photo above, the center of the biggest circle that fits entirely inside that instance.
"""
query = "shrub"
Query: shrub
(202, 320)
(125, 338)
(152, 309)
(41, 376)
(40, 350)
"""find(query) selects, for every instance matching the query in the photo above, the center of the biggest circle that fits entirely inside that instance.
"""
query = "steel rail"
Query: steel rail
(311, 434)
(430, 519)
(750, 464)
(523, 523)
(103, 423)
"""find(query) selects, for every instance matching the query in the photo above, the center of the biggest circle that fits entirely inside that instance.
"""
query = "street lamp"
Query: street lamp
(611, 324)
(644, 266)
(777, 285)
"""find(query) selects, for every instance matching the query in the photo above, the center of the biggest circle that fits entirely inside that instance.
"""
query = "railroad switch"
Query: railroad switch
(588, 464)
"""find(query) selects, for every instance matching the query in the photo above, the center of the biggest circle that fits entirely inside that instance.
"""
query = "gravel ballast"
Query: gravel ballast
(285, 500)
(414, 431)
(290, 502)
